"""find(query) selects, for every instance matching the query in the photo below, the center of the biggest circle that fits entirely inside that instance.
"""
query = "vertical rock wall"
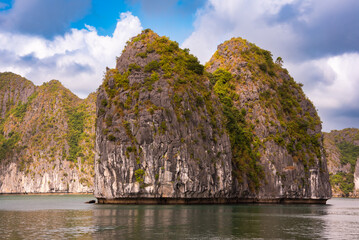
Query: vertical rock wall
(282, 125)
(159, 134)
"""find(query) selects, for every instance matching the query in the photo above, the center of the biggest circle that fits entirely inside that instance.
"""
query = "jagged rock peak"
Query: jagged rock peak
(238, 52)
(57, 88)
(283, 127)
(46, 138)
(8, 78)
(14, 89)
(159, 131)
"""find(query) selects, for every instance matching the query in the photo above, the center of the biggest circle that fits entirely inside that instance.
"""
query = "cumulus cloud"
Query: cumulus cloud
(220, 20)
(42, 17)
(78, 59)
(332, 84)
(325, 27)
(316, 38)
(293, 29)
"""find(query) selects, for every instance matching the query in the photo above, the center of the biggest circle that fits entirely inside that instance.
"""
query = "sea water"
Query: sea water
(67, 216)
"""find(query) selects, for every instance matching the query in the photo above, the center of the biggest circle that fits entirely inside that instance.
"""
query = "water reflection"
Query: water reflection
(339, 219)
(342, 219)
(45, 224)
(244, 221)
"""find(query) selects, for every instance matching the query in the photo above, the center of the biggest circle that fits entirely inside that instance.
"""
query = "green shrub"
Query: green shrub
(121, 81)
(152, 66)
(134, 66)
(111, 138)
(139, 173)
(76, 120)
(163, 127)
(199, 101)
(108, 121)
(187, 114)
(104, 102)
(263, 67)
(142, 55)
(194, 65)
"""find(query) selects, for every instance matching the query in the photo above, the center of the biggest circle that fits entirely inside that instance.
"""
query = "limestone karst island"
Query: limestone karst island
(164, 129)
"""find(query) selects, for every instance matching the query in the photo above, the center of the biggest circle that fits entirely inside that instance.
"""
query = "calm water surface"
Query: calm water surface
(67, 216)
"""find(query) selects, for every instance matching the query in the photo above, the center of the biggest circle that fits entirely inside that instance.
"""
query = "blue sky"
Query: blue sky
(170, 18)
(74, 40)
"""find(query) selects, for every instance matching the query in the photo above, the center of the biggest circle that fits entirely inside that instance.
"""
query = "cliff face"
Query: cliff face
(342, 150)
(242, 130)
(281, 137)
(159, 132)
(47, 138)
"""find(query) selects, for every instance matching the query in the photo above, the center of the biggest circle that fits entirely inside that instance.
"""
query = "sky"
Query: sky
(75, 40)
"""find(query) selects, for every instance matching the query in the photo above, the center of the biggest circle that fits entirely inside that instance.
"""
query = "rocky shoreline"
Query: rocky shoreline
(48, 193)
(194, 201)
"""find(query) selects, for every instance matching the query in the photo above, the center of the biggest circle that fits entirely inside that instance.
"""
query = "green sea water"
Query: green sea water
(68, 217)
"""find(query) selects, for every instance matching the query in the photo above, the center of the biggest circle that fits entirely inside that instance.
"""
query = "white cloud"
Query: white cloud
(222, 20)
(338, 82)
(78, 59)
(332, 84)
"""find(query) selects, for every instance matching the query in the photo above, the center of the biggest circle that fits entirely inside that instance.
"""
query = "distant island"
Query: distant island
(342, 150)
(163, 128)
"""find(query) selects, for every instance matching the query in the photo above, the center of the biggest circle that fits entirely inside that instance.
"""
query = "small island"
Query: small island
(239, 129)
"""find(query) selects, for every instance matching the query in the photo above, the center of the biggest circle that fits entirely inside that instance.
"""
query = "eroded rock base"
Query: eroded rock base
(184, 201)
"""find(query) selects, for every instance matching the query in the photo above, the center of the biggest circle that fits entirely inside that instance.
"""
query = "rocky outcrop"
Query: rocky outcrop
(342, 150)
(47, 138)
(14, 89)
(159, 132)
(169, 132)
(282, 128)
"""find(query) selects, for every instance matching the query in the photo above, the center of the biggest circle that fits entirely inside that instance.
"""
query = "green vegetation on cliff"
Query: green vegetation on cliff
(264, 107)
(242, 94)
(160, 100)
(244, 144)
(46, 129)
(76, 128)
(343, 152)
(168, 87)
(8, 145)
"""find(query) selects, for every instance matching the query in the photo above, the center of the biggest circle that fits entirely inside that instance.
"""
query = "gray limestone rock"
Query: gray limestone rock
(155, 139)
(163, 132)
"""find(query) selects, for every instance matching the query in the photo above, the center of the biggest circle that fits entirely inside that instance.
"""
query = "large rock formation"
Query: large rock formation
(159, 129)
(46, 138)
(342, 149)
(281, 131)
(169, 132)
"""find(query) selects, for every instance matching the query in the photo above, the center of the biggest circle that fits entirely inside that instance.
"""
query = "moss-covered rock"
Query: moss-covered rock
(46, 138)
(242, 129)
(166, 137)
(342, 150)
(275, 130)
